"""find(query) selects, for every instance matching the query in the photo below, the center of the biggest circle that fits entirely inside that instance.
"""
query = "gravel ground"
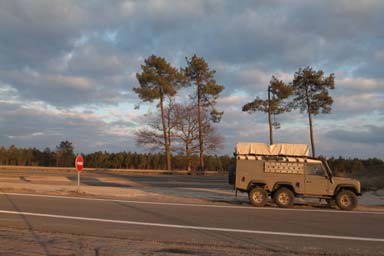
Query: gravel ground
(17, 242)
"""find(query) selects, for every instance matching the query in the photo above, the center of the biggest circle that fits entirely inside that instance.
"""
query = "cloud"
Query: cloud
(33, 32)
(360, 84)
(78, 59)
(351, 106)
(232, 100)
(58, 90)
(36, 126)
(97, 57)
(366, 134)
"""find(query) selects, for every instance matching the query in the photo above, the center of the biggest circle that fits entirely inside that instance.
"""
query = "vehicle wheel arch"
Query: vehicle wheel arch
(256, 183)
(345, 187)
(279, 185)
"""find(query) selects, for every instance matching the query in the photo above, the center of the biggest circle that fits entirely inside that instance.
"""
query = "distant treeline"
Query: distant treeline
(347, 167)
(63, 156)
(129, 160)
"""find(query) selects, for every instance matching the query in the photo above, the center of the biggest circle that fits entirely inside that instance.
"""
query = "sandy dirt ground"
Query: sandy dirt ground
(30, 242)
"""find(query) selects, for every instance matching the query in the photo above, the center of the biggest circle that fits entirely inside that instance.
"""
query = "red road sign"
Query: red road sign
(79, 163)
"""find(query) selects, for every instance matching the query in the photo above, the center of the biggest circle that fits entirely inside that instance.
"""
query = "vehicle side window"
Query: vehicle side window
(315, 170)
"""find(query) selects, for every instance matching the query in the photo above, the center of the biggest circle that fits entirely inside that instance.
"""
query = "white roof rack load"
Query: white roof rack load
(255, 148)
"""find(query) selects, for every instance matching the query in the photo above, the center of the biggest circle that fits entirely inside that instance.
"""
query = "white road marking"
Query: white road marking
(195, 205)
(246, 231)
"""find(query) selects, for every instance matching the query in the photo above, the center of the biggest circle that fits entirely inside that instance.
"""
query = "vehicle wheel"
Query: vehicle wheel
(346, 200)
(284, 197)
(258, 197)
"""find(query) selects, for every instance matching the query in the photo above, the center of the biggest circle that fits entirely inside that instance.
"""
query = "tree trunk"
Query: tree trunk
(169, 137)
(201, 146)
(166, 144)
(270, 117)
(310, 124)
(311, 134)
(188, 157)
(270, 129)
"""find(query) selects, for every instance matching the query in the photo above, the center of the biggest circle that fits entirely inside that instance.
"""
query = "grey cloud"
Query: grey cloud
(98, 58)
(81, 53)
(123, 123)
(42, 128)
(372, 67)
(268, 35)
(59, 90)
(33, 32)
(367, 135)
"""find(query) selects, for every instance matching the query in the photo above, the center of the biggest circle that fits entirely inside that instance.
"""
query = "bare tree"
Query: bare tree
(187, 132)
(152, 136)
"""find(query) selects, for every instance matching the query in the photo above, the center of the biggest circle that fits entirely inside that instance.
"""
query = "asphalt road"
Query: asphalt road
(272, 229)
(91, 178)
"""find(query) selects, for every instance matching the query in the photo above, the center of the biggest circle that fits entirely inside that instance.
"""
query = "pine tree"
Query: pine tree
(158, 80)
(310, 90)
(275, 105)
(207, 91)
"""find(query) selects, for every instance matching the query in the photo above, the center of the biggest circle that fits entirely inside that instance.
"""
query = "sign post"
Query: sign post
(79, 164)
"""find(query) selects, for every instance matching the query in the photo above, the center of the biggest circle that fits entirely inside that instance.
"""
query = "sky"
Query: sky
(67, 68)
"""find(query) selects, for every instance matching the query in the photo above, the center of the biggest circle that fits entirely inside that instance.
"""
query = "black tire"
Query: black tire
(258, 197)
(346, 200)
(284, 197)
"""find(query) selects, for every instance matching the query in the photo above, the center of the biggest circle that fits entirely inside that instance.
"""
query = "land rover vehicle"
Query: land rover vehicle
(284, 171)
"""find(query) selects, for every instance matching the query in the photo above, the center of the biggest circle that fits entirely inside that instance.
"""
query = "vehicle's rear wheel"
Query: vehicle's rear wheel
(346, 200)
(258, 197)
(284, 197)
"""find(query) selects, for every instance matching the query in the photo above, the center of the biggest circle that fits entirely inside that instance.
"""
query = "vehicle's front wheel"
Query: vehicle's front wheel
(346, 200)
(258, 197)
(284, 197)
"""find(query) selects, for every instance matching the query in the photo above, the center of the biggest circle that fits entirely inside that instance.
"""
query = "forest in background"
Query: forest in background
(64, 156)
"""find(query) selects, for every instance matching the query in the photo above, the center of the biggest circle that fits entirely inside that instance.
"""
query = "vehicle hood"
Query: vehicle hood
(344, 179)
(347, 181)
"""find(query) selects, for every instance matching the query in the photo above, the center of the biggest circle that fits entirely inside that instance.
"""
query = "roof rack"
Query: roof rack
(261, 149)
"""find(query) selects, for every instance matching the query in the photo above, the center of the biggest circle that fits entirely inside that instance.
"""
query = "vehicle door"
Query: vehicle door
(316, 180)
